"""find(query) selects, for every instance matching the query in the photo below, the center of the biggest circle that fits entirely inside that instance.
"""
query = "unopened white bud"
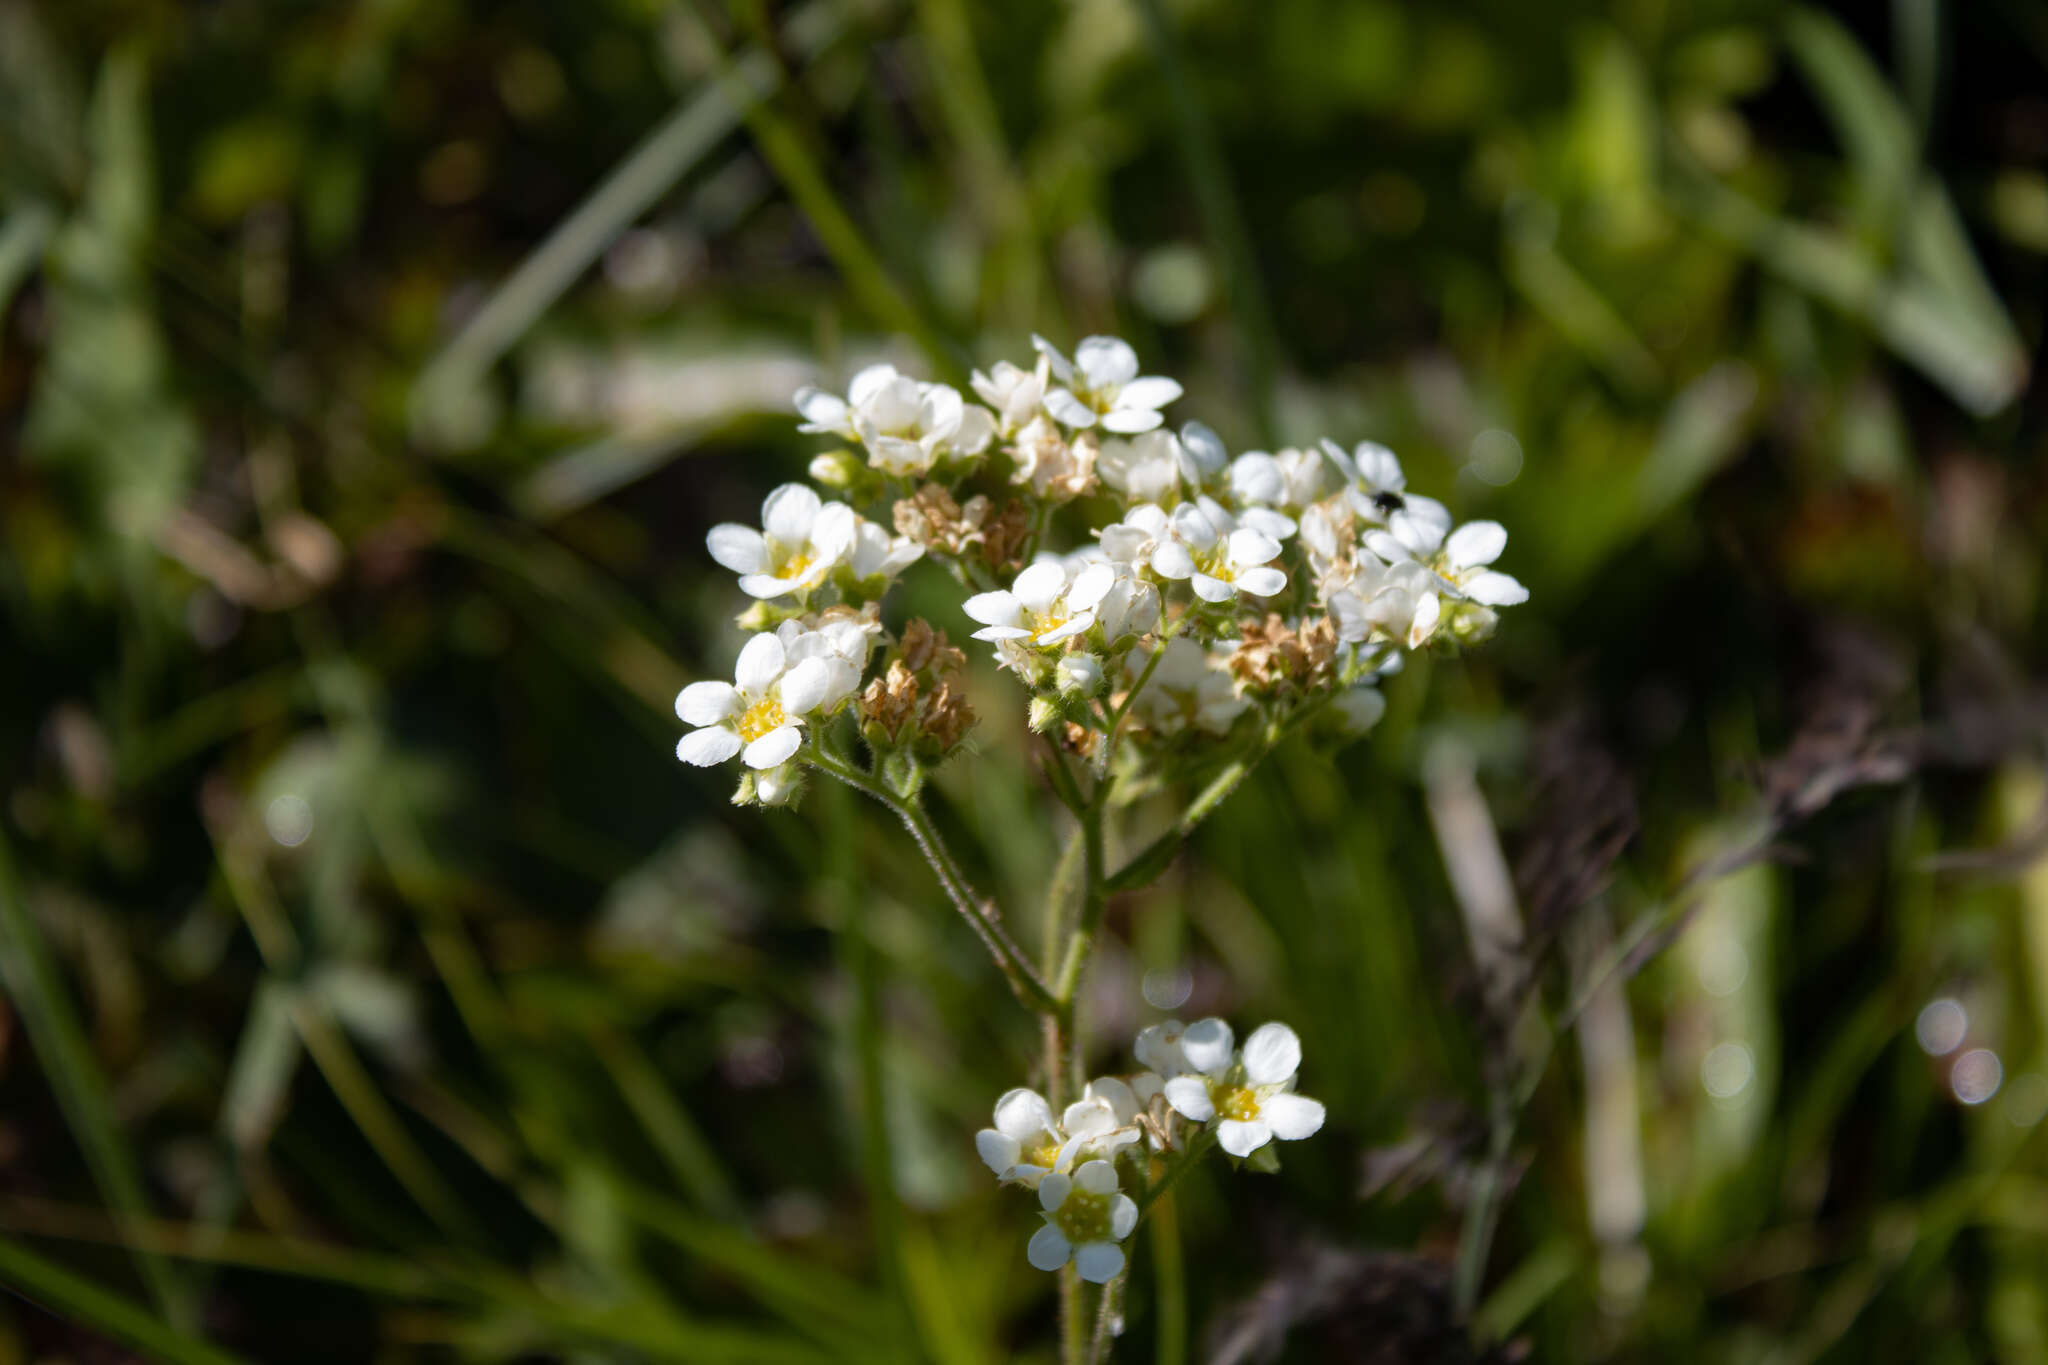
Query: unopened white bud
(1080, 675)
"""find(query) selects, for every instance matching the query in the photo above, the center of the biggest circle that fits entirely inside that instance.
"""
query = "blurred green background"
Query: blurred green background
(379, 988)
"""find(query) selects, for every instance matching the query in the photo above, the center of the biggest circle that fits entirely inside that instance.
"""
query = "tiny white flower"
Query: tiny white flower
(877, 557)
(1016, 394)
(1100, 1124)
(1080, 674)
(1102, 384)
(905, 425)
(1044, 606)
(763, 709)
(1218, 558)
(1086, 1215)
(1248, 1095)
(1190, 687)
(1130, 607)
(1134, 540)
(1373, 482)
(1287, 480)
(1459, 565)
(801, 541)
(1024, 1145)
(1372, 600)
(1145, 469)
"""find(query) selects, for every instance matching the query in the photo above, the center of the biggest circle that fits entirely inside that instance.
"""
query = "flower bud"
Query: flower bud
(1080, 675)
(1044, 712)
(836, 469)
(779, 786)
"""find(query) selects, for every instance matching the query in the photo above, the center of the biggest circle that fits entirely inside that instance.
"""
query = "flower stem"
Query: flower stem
(978, 913)
(1169, 1285)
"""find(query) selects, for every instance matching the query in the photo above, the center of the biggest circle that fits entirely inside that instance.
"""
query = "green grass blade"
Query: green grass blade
(79, 1300)
(41, 999)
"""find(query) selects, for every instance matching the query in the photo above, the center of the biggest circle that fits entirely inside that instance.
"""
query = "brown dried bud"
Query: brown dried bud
(947, 716)
(891, 701)
(1079, 739)
(1005, 537)
(926, 649)
(933, 519)
(1273, 656)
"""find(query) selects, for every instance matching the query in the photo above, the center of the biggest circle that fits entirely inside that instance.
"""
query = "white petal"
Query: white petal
(834, 531)
(1255, 477)
(759, 665)
(1272, 1054)
(1172, 560)
(1493, 589)
(1189, 1095)
(1241, 1138)
(1096, 1177)
(1123, 1216)
(1212, 589)
(806, 687)
(1206, 1044)
(774, 749)
(994, 608)
(713, 744)
(788, 512)
(1098, 1262)
(1428, 611)
(940, 410)
(1107, 361)
(1112, 1091)
(1291, 1116)
(1053, 1191)
(1386, 546)
(1073, 626)
(1193, 527)
(1275, 524)
(1476, 543)
(870, 382)
(706, 703)
(1261, 582)
(821, 409)
(998, 1151)
(1039, 586)
(1049, 1248)
(1086, 1118)
(1131, 421)
(1158, 1045)
(1062, 368)
(1068, 409)
(1123, 542)
(977, 428)
(996, 633)
(1204, 448)
(1090, 586)
(1023, 1114)
(766, 585)
(1249, 546)
(739, 548)
(1151, 391)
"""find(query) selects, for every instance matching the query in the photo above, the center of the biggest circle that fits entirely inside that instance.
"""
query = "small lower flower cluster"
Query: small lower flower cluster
(1201, 600)
(1197, 1087)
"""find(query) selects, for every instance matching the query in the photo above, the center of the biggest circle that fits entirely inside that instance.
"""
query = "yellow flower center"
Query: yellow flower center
(763, 717)
(797, 565)
(1046, 626)
(1238, 1102)
(1084, 1217)
(1043, 1155)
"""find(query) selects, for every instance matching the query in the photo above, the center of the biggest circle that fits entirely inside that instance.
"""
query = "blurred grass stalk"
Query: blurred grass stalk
(39, 996)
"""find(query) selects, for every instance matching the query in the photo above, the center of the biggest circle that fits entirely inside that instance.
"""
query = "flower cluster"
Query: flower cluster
(1155, 594)
(1196, 1086)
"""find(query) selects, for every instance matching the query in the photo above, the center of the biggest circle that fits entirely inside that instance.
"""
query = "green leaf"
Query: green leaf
(80, 1300)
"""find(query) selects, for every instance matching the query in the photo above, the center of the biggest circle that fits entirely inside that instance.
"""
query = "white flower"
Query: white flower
(877, 557)
(1043, 606)
(1458, 564)
(842, 645)
(1080, 674)
(1147, 469)
(802, 540)
(1158, 1049)
(906, 425)
(1056, 468)
(1191, 686)
(1203, 460)
(763, 709)
(1024, 1145)
(1085, 1217)
(1137, 537)
(1289, 479)
(1102, 384)
(1370, 599)
(1373, 482)
(1248, 1095)
(1014, 393)
(1130, 607)
(1100, 1124)
(778, 786)
(1219, 558)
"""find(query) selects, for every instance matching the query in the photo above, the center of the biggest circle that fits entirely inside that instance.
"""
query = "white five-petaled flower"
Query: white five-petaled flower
(1049, 603)
(1015, 393)
(1286, 479)
(1372, 600)
(1086, 1215)
(1373, 482)
(801, 541)
(1099, 1124)
(905, 424)
(1218, 557)
(1025, 1143)
(877, 557)
(1102, 384)
(1249, 1095)
(1458, 562)
(1190, 687)
(763, 709)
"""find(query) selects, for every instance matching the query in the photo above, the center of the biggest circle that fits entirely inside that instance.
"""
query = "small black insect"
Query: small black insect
(1388, 502)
